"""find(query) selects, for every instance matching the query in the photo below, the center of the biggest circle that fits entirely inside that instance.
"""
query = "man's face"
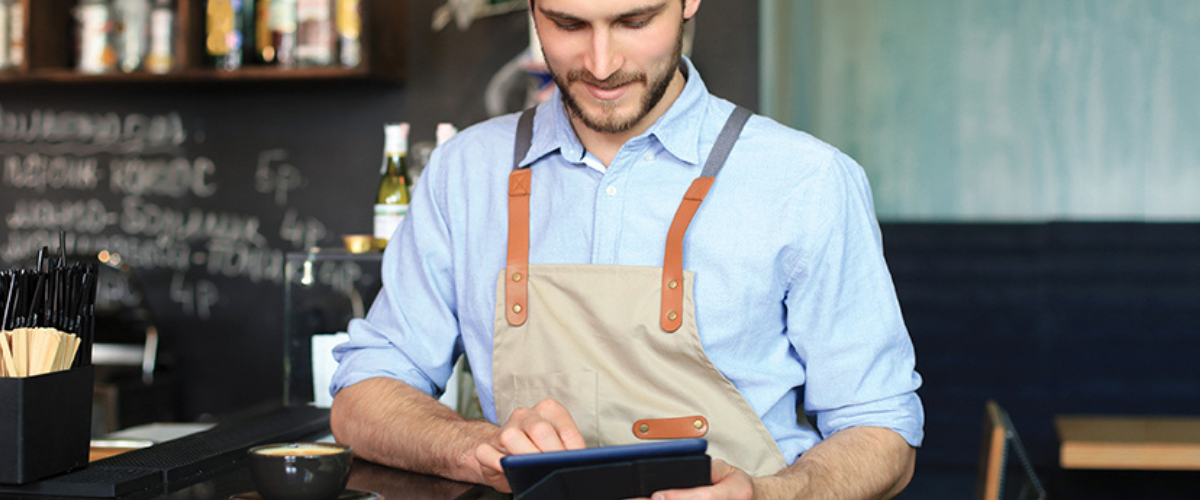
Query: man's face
(613, 60)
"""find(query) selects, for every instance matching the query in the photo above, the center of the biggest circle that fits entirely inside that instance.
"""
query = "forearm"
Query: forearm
(853, 464)
(391, 423)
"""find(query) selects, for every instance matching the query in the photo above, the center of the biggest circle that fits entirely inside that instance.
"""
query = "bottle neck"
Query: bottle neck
(395, 164)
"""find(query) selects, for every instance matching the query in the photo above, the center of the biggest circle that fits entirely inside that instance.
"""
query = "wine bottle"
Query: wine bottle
(223, 34)
(349, 29)
(391, 203)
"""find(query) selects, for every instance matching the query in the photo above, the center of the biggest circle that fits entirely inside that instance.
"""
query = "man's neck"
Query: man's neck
(606, 145)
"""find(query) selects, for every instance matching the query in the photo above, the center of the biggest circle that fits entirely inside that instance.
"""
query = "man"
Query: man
(771, 293)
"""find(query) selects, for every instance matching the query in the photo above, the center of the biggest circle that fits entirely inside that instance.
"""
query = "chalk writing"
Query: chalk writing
(149, 219)
(277, 180)
(174, 177)
(39, 172)
(91, 133)
(83, 216)
(126, 184)
(197, 298)
(301, 233)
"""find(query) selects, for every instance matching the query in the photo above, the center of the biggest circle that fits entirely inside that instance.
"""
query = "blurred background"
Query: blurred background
(1034, 165)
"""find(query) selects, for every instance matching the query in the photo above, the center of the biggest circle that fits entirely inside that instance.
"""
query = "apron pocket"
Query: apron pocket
(577, 391)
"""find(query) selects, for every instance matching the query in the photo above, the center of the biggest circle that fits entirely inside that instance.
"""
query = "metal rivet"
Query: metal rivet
(644, 428)
(671, 315)
(517, 308)
(672, 284)
(516, 276)
(699, 424)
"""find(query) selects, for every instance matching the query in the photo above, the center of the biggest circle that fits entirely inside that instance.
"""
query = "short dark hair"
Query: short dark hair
(533, 2)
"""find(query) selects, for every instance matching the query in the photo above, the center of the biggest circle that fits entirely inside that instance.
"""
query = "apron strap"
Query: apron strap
(519, 182)
(672, 278)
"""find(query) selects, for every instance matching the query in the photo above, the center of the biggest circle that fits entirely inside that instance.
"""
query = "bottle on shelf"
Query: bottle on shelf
(161, 56)
(133, 19)
(275, 33)
(391, 202)
(97, 53)
(5, 9)
(16, 34)
(224, 34)
(349, 29)
(315, 34)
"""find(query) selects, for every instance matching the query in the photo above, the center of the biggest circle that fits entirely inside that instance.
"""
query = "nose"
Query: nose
(603, 58)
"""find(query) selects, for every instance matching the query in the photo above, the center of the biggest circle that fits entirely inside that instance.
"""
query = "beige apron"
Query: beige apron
(621, 355)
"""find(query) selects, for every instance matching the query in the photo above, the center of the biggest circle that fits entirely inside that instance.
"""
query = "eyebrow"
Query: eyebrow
(640, 11)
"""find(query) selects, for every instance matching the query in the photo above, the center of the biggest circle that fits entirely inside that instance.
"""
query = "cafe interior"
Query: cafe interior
(1034, 169)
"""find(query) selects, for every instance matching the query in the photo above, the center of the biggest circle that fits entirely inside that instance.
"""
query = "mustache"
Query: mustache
(613, 81)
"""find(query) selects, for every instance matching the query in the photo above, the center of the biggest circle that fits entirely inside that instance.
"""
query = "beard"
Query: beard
(609, 122)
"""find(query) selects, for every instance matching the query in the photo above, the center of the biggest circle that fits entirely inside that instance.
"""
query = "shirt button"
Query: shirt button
(650, 157)
(611, 190)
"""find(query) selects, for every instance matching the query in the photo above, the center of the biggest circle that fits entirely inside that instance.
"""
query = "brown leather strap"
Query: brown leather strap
(516, 274)
(672, 282)
(671, 428)
(516, 271)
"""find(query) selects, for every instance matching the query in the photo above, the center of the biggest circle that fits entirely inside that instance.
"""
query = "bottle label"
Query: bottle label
(387, 219)
(283, 16)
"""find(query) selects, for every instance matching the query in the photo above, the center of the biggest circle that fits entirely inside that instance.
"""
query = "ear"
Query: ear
(690, 7)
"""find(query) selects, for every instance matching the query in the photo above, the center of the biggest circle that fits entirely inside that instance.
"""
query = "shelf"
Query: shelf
(49, 58)
(248, 74)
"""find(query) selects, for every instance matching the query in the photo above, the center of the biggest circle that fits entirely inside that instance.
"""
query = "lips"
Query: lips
(607, 93)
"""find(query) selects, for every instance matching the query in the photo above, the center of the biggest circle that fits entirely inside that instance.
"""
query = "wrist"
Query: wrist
(465, 464)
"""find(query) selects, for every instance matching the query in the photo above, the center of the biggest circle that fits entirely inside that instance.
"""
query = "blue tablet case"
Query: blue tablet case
(609, 473)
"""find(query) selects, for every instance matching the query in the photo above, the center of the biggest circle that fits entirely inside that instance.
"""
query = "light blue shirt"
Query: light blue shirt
(794, 301)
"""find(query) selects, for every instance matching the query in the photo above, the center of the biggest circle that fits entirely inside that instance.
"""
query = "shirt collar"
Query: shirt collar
(678, 130)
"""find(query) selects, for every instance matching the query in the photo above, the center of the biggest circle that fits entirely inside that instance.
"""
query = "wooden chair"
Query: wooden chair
(1000, 441)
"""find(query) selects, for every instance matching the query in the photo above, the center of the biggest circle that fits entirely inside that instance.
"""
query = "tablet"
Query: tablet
(525, 471)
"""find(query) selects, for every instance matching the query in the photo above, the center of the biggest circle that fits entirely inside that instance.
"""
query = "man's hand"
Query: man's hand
(547, 426)
(729, 483)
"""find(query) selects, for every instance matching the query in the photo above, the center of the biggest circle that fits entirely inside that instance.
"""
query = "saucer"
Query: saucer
(346, 495)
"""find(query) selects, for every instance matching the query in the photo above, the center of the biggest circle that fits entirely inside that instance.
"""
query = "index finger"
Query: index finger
(559, 417)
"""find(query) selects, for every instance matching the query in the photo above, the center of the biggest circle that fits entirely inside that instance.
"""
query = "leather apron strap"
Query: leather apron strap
(516, 303)
(672, 276)
(519, 183)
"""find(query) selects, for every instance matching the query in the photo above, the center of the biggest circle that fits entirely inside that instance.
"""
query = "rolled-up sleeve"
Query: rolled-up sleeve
(411, 332)
(844, 318)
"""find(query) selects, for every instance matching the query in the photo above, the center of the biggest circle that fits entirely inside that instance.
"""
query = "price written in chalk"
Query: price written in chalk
(275, 177)
(196, 297)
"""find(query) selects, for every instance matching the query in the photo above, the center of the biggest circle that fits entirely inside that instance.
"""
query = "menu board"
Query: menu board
(198, 204)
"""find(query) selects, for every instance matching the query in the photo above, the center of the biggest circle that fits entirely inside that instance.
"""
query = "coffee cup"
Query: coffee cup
(300, 471)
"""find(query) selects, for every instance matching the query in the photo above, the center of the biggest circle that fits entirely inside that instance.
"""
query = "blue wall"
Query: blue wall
(1010, 110)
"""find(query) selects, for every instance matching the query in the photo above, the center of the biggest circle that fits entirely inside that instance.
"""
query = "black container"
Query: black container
(45, 424)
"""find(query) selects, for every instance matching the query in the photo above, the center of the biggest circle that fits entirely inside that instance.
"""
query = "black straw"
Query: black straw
(52, 295)
(8, 303)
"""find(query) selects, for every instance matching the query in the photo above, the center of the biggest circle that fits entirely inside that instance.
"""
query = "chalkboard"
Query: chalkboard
(204, 188)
